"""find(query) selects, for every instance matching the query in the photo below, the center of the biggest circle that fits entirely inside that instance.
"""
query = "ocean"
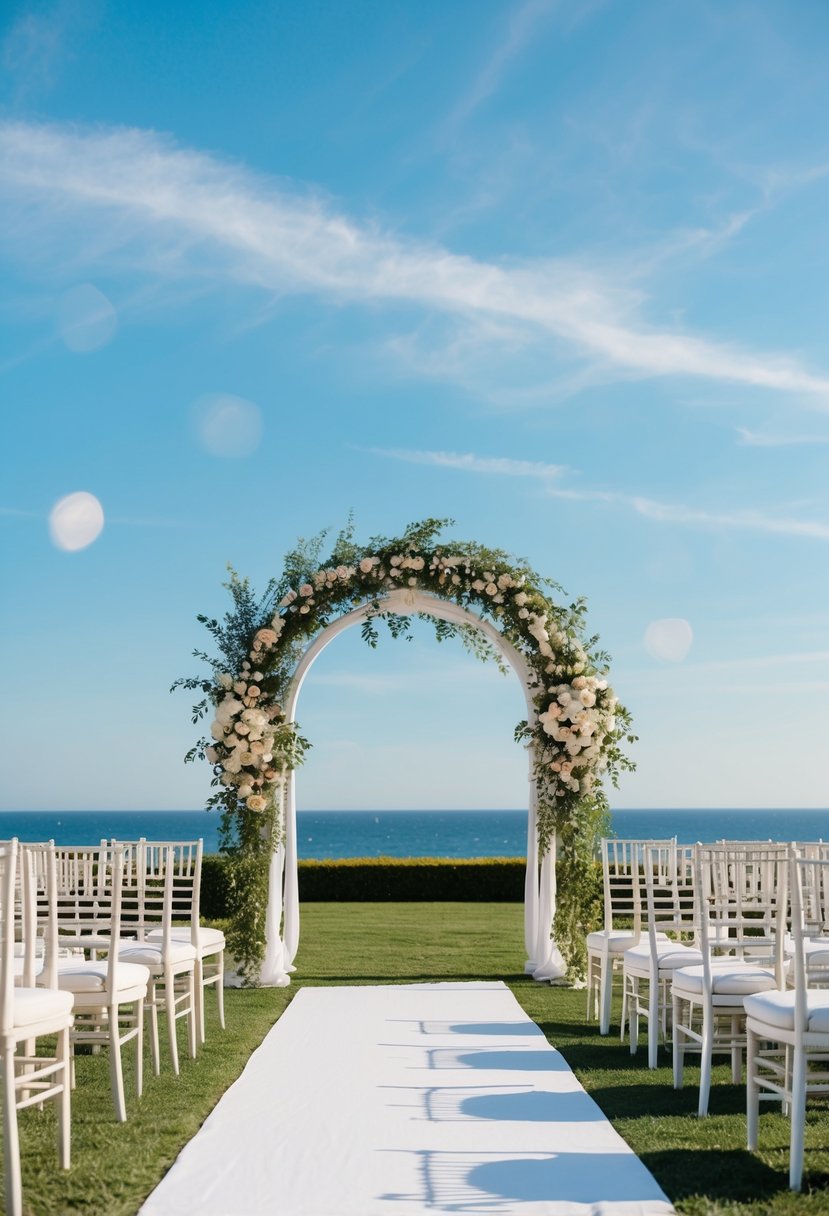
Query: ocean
(336, 834)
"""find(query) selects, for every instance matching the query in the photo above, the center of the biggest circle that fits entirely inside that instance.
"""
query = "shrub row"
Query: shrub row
(386, 879)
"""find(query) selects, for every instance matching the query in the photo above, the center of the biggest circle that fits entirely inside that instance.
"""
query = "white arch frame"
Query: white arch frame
(544, 960)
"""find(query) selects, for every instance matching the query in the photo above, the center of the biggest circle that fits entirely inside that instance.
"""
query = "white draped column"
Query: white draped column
(276, 964)
(549, 961)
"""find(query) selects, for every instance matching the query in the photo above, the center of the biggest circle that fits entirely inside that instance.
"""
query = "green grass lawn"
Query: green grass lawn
(701, 1164)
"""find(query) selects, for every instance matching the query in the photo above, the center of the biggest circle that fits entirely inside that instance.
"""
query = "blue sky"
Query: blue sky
(558, 271)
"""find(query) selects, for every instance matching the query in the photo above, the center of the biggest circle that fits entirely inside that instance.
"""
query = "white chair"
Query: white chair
(737, 889)
(150, 881)
(788, 1029)
(208, 943)
(668, 875)
(624, 915)
(26, 1013)
(108, 994)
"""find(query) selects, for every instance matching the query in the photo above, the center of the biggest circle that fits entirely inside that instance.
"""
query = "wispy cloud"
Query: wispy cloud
(720, 521)
(521, 27)
(183, 214)
(499, 465)
(649, 508)
(757, 439)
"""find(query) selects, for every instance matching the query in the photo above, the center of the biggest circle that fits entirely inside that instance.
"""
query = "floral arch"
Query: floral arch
(500, 610)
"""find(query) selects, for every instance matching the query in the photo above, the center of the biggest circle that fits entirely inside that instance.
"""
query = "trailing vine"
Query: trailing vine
(577, 731)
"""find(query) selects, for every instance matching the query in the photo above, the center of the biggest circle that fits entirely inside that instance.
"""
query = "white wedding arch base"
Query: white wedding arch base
(544, 960)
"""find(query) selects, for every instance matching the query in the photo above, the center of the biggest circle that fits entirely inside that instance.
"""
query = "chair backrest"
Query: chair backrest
(8, 902)
(624, 903)
(809, 887)
(668, 873)
(810, 914)
(162, 885)
(741, 900)
(78, 898)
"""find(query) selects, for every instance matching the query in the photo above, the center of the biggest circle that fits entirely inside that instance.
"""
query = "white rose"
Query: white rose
(256, 803)
(588, 698)
(366, 564)
(491, 589)
(245, 790)
(306, 589)
(226, 680)
(217, 730)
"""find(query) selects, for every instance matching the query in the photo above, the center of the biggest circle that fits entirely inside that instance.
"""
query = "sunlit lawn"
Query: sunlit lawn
(701, 1164)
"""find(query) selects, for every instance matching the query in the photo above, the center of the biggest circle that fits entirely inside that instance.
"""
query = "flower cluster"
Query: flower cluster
(246, 725)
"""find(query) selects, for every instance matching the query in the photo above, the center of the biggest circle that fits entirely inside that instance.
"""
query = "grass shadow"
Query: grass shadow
(734, 1175)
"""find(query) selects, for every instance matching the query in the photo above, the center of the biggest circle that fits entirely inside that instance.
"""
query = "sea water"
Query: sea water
(337, 834)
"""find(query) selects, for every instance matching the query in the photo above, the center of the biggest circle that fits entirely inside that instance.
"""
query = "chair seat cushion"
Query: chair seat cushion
(670, 955)
(152, 955)
(207, 939)
(92, 976)
(32, 1005)
(614, 941)
(729, 977)
(777, 1009)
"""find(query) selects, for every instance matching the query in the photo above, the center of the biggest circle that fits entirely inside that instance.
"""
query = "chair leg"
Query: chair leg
(624, 1006)
(11, 1142)
(139, 1047)
(152, 1009)
(193, 1030)
(706, 1051)
(170, 1001)
(116, 1075)
(752, 1092)
(220, 989)
(64, 1052)
(798, 1118)
(199, 982)
(633, 1010)
(736, 1052)
(679, 1045)
(653, 1021)
(605, 994)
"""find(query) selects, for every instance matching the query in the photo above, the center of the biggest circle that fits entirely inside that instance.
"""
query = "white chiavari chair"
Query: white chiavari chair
(668, 876)
(108, 994)
(624, 916)
(788, 1029)
(26, 1014)
(155, 884)
(737, 889)
(209, 943)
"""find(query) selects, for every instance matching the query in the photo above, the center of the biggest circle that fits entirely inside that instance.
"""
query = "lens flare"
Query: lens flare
(669, 639)
(228, 426)
(86, 319)
(76, 521)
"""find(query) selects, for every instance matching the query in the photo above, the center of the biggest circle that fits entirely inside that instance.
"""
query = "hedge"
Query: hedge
(386, 879)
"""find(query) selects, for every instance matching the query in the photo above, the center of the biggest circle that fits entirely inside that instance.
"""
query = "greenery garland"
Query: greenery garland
(576, 734)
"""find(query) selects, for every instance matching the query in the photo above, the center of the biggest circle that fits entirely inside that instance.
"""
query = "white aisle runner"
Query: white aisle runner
(402, 1100)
